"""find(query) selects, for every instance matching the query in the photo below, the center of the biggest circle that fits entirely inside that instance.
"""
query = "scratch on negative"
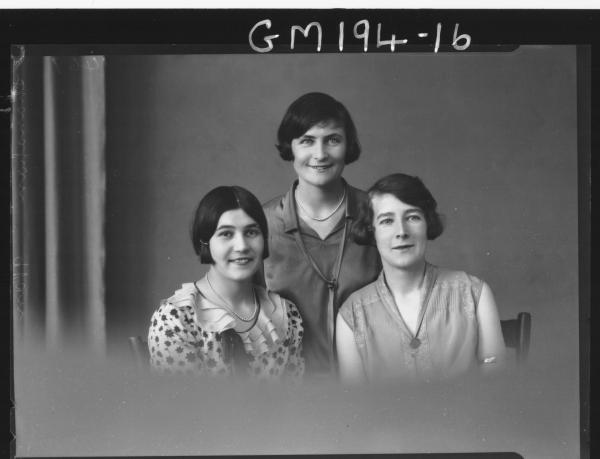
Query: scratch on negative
(18, 60)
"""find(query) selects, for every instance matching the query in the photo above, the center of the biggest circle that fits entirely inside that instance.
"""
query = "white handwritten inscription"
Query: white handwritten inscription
(305, 33)
(261, 42)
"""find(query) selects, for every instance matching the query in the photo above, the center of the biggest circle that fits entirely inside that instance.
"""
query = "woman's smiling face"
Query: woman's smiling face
(400, 232)
(319, 154)
(236, 246)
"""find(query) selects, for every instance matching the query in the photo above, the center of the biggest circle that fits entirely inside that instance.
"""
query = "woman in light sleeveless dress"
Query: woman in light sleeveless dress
(417, 321)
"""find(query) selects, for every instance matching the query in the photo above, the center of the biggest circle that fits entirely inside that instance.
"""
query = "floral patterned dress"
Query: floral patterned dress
(191, 335)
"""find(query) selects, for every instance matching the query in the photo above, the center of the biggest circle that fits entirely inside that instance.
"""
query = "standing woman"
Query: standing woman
(416, 322)
(314, 260)
(223, 324)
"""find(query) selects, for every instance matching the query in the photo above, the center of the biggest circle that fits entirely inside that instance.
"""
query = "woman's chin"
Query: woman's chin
(406, 264)
(321, 180)
(239, 273)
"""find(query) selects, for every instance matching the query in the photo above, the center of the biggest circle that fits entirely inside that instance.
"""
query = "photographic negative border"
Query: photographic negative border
(219, 31)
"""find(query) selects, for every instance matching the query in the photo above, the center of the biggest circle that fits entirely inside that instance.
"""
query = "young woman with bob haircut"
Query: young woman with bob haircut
(417, 321)
(314, 260)
(223, 324)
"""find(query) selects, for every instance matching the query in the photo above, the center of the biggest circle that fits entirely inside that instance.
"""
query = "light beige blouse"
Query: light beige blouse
(448, 335)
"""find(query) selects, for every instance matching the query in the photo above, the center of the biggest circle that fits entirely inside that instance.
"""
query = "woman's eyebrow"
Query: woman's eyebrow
(384, 214)
(251, 225)
(414, 209)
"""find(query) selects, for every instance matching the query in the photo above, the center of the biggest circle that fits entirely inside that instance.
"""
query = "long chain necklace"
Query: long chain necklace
(415, 342)
(230, 307)
(317, 219)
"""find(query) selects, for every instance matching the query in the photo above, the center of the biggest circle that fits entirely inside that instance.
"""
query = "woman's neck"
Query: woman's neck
(403, 281)
(234, 292)
(320, 197)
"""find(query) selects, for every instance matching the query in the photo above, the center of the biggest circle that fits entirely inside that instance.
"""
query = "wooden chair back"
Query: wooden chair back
(517, 334)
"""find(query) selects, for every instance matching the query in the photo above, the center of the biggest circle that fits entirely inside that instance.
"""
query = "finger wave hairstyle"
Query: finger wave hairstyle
(209, 211)
(408, 189)
(310, 110)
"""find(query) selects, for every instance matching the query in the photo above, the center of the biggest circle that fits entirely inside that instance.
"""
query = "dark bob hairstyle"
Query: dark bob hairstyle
(408, 189)
(312, 109)
(216, 202)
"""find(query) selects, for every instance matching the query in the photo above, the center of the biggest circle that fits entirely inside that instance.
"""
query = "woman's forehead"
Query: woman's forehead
(387, 202)
(236, 218)
(327, 126)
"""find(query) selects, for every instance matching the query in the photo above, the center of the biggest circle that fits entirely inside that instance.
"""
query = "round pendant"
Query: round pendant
(415, 343)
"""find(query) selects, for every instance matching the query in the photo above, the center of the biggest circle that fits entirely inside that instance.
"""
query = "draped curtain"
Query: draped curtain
(58, 201)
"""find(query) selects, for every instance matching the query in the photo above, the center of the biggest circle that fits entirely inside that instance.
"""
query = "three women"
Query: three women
(322, 242)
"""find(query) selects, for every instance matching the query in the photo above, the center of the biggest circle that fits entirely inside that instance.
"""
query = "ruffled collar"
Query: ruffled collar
(268, 332)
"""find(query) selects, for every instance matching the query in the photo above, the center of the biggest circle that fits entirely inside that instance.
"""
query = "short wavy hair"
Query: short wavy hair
(312, 109)
(408, 189)
(208, 212)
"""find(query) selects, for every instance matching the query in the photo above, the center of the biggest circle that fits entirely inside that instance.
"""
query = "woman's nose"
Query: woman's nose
(401, 231)
(240, 243)
(319, 151)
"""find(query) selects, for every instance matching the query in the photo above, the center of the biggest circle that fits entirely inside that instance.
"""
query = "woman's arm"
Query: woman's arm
(349, 361)
(172, 347)
(491, 348)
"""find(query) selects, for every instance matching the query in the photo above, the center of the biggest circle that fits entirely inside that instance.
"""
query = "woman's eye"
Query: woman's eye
(253, 232)
(414, 218)
(225, 234)
(306, 141)
(335, 140)
(385, 221)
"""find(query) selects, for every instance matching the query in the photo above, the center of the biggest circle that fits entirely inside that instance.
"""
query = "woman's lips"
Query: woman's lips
(241, 261)
(320, 168)
(403, 247)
